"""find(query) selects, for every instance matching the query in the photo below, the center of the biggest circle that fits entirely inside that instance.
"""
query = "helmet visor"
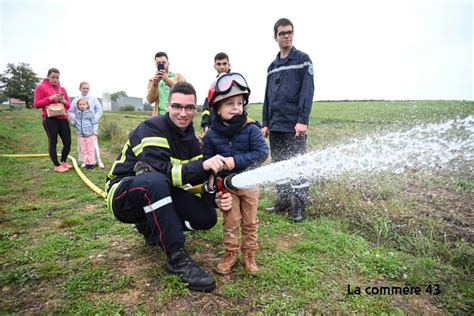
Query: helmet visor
(224, 83)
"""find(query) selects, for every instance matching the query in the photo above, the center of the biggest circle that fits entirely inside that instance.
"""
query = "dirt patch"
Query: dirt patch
(418, 306)
(39, 300)
(202, 303)
(453, 210)
(284, 243)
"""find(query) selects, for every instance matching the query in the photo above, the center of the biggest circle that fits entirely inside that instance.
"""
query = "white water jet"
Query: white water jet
(443, 145)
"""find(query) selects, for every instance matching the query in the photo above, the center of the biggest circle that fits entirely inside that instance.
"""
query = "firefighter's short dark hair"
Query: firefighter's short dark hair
(184, 88)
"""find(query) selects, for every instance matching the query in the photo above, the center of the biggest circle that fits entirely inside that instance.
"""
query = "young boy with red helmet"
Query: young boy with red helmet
(237, 138)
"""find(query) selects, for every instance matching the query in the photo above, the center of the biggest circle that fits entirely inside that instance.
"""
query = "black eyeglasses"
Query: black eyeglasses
(283, 34)
(178, 108)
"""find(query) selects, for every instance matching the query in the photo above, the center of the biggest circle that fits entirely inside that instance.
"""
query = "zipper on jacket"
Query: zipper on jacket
(82, 123)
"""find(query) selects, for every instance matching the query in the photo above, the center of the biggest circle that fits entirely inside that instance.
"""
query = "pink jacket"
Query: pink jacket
(42, 93)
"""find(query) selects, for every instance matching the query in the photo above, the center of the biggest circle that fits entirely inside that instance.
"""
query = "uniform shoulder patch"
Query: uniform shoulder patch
(311, 69)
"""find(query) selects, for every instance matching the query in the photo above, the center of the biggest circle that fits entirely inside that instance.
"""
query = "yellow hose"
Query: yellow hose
(88, 182)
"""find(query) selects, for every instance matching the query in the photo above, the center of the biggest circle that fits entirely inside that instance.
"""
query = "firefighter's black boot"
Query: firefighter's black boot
(179, 262)
(284, 200)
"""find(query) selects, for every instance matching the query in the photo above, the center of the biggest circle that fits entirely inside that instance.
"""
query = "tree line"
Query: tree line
(19, 81)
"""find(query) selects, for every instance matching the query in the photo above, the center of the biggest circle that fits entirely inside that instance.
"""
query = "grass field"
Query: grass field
(61, 251)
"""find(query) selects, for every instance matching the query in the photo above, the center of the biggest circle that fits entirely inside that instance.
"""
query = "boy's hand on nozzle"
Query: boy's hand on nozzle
(216, 164)
(224, 201)
(229, 163)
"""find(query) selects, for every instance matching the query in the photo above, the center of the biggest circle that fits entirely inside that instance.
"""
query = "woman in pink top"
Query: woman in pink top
(47, 93)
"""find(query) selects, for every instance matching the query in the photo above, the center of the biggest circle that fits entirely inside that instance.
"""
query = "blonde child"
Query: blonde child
(87, 129)
(237, 138)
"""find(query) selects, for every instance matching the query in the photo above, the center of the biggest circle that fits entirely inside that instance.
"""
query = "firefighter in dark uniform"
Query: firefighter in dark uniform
(144, 185)
(286, 110)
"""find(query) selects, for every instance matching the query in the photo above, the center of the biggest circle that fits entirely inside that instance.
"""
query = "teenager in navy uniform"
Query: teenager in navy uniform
(286, 110)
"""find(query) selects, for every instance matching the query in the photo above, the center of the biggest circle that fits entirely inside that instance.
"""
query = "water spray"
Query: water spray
(445, 145)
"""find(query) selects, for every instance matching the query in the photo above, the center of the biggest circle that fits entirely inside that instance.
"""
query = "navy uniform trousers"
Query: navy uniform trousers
(167, 210)
(284, 146)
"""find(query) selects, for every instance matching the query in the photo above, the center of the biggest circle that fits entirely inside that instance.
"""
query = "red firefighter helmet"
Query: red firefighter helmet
(226, 86)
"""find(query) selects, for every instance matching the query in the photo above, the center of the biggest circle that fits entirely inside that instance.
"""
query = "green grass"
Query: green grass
(62, 252)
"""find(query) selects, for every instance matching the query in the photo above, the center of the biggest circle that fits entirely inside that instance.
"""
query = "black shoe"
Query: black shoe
(179, 262)
(90, 167)
(146, 232)
(296, 215)
(279, 208)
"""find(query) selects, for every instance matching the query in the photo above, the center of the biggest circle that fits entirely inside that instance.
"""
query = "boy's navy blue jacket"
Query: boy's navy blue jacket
(247, 147)
(289, 92)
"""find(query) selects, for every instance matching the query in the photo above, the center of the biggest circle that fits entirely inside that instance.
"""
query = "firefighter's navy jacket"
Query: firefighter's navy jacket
(168, 149)
(289, 92)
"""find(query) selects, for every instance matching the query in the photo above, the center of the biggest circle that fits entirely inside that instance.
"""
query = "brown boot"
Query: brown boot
(227, 262)
(249, 261)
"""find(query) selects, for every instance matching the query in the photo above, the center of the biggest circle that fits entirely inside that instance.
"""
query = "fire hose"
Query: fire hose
(214, 185)
(88, 182)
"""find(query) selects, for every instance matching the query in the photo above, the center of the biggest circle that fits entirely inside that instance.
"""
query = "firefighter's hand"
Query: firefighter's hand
(224, 201)
(301, 130)
(216, 164)
(264, 131)
(229, 163)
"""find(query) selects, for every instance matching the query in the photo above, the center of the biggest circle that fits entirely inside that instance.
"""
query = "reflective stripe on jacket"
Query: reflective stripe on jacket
(163, 146)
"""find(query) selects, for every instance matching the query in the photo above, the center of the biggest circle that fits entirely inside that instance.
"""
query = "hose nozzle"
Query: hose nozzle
(218, 184)
(227, 182)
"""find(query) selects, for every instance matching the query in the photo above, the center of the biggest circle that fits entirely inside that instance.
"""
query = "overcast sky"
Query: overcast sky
(382, 49)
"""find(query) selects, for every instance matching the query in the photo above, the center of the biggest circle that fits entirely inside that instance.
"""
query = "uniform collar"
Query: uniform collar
(291, 55)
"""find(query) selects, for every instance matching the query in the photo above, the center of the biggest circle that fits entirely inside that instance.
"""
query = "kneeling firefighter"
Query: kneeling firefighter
(144, 185)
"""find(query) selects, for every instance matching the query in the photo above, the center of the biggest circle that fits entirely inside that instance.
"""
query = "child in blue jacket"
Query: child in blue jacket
(87, 129)
(237, 138)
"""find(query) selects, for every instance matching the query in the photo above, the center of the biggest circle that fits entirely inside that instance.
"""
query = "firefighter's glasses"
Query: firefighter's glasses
(189, 109)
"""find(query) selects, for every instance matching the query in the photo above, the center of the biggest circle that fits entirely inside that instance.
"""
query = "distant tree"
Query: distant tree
(3, 97)
(127, 107)
(114, 96)
(19, 82)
